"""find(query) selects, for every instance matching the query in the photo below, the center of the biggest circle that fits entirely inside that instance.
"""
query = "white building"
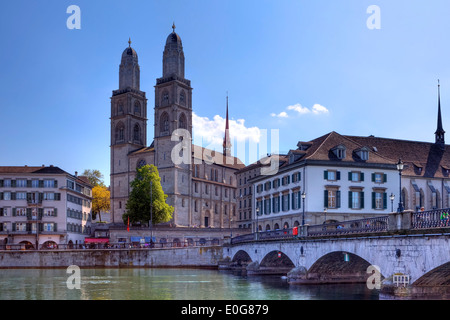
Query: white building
(340, 179)
(43, 205)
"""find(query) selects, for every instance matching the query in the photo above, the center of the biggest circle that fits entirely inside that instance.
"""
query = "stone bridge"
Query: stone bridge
(407, 254)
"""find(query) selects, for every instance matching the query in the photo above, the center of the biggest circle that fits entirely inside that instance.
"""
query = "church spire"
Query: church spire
(226, 139)
(440, 133)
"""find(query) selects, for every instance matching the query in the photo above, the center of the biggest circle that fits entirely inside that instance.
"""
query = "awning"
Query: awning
(96, 240)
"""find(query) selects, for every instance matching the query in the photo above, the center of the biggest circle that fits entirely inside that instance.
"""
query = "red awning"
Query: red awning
(96, 240)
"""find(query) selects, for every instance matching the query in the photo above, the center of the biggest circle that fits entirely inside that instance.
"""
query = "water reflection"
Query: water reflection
(166, 284)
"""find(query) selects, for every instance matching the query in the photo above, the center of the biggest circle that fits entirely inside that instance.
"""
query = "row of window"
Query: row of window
(30, 213)
(354, 176)
(79, 201)
(76, 214)
(78, 228)
(356, 199)
(216, 190)
(31, 197)
(25, 183)
(29, 227)
(295, 177)
(278, 203)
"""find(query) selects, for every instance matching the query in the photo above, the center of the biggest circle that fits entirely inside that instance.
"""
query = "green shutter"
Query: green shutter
(338, 199)
(361, 199)
(299, 199)
(373, 177)
(1, 183)
(13, 183)
(350, 202)
(325, 175)
(55, 212)
(299, 176)
(338, 175)
(40, 213)
(385, 201)
(1, 195)
(56, 183)
(373, 200)
(349, 176)
(13, 226)
(325, 198)
(361, 176)
(29, 213)
(55, 227)
(14, 212)
(385, 178)
(41, 183)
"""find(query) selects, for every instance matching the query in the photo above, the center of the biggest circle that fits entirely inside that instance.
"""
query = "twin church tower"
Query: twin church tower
(203, 193)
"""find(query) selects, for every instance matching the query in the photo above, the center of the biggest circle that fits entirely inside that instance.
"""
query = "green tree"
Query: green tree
(94, 176)
(146, 192)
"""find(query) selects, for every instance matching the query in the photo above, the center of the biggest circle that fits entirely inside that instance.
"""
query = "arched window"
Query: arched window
(120, 132)
(165, 98)
(141, 163)
(182, 122)
(137, 133)
(164, 123)
(120, 109)
(137, 108)
(182, 98)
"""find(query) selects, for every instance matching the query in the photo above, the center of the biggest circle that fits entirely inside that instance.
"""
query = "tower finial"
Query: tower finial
(129, 42)
(173, 26)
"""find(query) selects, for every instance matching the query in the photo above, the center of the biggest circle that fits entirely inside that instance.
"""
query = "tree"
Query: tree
(94, 176)
(147, 193)
(100, 200)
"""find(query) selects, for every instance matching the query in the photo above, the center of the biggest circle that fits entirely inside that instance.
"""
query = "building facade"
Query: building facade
(43, 206)
(201, 186)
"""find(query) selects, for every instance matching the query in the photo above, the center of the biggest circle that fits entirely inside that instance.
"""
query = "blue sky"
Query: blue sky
(270, 56)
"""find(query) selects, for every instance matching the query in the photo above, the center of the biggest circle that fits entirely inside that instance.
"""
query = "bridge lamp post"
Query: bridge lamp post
(400, 167)
(392, 197)
(303, 203)
(257, 224)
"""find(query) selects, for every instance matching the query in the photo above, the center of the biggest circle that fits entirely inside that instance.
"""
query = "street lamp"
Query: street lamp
(400, 167)
(392, 197)
(303, 203)
(325, 211)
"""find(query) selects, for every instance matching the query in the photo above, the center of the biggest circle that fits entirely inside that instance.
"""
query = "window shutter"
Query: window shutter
(55, 227)
(1, 183)
(58, 196)
(361, 176)
(56, 183)
(299, 199)
(325, 175)
(55, 212)
(373, 177)
(41, 183)
(361, 198)
(40, 213)
(278, 204)
(13, 183)
(338, 175)
(14, 212)
(349, 176)
(29, 213)
(350, 198)
(325, 198)
(338, 199)
(13, 226)
(299, 176)
(385, 178)
(293, 200)
(13, 196)
(373, 200)
(28, 183)
(1, 195)
(384, 201)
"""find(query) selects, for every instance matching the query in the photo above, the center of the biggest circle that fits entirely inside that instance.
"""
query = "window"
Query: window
(120, 132)
(332, 199)
(296, 200)
(356, 176)
(339, 152)
(182, 122)
(379, 200)
(285, 202)
(49, 183)
(378, 177)
(182, 98)
(356, 199)
(276, 204)
(164, 123)
(137, 133)
(21, 183)
(137, 108)
(332, 175)
(7, 183)
(165, 98)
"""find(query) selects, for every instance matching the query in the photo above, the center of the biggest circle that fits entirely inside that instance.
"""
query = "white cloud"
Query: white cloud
(212, 131)
(317, 109)
(282, 114)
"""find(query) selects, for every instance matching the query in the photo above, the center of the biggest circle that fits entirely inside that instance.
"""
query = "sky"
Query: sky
(296, 69)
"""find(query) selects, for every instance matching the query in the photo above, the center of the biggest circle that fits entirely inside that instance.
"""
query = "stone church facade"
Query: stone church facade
(202, 188)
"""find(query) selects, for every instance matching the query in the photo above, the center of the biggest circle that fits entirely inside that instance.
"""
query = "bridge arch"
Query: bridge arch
(438, 277)
(339, 266)
(276, 259)
(241, 258)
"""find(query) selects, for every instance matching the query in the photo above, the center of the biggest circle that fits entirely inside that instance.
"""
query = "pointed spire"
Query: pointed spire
(440, 133)
(226, 139)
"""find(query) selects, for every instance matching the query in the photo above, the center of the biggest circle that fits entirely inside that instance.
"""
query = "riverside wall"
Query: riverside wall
(194, 257)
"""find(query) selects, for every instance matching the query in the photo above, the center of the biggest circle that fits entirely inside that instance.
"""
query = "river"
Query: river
(165, 284)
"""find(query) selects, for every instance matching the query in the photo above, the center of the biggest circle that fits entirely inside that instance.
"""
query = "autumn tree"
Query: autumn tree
(147, 198)
(100, 201)
(94, 176)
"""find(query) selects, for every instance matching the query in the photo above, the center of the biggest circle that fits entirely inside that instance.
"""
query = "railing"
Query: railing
(407, 220)
(430, 219)
(371, 225)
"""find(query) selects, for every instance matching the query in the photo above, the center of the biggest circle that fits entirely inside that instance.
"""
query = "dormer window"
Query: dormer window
(363, 153)
(339, 152)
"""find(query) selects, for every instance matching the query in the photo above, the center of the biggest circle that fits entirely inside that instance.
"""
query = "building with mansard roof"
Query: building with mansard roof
(336, 178)
(201, 187)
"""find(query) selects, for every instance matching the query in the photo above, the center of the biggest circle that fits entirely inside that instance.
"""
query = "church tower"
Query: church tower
(128, 128)
(173, 110)
(226, 139)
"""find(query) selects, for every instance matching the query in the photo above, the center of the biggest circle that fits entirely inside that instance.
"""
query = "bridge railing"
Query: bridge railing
(439, 218)
(370, 225)
(406, 220)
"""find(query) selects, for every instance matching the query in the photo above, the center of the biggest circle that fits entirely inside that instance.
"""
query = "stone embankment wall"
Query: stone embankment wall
(170, 257)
